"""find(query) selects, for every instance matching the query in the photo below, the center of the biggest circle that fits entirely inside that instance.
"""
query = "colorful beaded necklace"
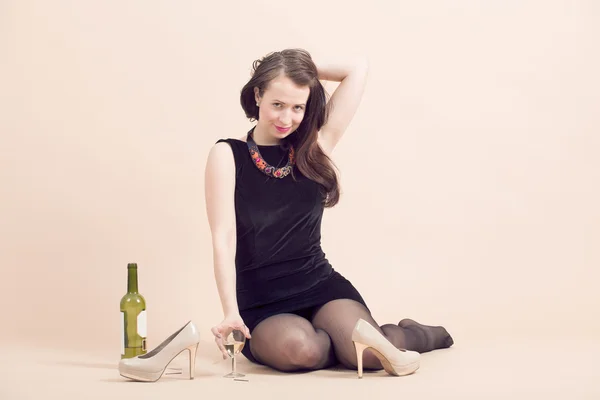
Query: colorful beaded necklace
(262, 165)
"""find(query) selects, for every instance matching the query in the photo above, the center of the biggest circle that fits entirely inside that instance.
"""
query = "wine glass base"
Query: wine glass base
(233, 375)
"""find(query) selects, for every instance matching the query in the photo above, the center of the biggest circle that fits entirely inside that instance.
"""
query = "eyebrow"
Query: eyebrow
(283, 102)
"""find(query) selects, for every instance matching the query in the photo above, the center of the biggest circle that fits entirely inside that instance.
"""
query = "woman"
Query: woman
(265, 196)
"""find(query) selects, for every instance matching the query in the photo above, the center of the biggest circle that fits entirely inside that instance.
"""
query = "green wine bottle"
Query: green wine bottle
(133, 317)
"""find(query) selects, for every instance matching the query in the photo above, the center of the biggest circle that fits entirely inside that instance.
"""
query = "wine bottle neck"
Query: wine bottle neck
(132, 280)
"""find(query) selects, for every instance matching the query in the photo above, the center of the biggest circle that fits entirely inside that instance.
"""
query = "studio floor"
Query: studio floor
(483, 369)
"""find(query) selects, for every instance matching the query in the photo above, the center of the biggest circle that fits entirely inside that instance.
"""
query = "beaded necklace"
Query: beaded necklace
(262, 165)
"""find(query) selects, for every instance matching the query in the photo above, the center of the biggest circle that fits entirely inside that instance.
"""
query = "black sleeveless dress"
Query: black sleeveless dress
(280, 266)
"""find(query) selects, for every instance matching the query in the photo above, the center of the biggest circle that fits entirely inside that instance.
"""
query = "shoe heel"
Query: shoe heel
(360, 348)
(193, 349)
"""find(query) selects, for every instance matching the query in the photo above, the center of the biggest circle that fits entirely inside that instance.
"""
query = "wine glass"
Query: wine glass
(234, 343)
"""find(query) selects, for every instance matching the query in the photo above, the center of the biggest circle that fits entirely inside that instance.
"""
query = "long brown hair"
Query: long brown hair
(297, 65)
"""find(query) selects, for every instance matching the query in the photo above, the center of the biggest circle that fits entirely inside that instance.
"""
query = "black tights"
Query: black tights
(288, 342)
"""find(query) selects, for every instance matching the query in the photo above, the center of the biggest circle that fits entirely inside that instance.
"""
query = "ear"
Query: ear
(256, 94)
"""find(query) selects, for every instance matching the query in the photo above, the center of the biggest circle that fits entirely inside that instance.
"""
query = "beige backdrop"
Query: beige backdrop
(470, 172)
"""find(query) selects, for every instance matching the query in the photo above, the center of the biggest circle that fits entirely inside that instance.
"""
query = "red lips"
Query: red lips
(282, 129)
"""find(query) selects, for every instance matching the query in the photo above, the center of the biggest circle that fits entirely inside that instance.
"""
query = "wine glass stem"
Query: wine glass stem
(233, 364)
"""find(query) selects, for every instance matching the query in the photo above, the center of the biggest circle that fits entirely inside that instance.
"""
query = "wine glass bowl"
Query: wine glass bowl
(234, 342)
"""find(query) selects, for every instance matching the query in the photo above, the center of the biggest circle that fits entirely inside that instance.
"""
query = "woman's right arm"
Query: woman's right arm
(219, 185)
(219, 182)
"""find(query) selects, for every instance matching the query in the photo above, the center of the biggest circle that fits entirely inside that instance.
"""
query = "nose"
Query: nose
(285, 119)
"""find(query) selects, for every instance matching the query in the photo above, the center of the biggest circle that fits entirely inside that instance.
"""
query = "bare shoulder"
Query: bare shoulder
(220, 159)
(219, 186)
(219, 149)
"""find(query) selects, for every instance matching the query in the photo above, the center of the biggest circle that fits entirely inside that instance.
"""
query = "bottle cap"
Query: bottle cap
(132, 265)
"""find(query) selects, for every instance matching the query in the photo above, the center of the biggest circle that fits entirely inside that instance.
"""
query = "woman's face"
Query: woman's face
(282, 107)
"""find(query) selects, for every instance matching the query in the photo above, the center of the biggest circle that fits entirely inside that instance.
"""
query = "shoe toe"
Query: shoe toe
(124, 363)
(129, 364)
(414, 356)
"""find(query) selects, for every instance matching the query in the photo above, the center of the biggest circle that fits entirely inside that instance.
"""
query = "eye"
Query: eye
(276, 104)
(300, 108)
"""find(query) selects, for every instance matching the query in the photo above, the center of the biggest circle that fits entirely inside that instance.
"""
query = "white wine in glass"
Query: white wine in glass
(234, 343)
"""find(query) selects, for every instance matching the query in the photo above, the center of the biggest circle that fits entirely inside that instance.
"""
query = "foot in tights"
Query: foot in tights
(425, 338)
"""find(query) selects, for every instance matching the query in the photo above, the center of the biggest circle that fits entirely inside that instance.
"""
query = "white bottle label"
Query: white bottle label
(122, 333)
(141, 324)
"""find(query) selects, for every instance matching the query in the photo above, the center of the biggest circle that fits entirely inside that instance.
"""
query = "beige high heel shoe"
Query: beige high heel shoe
(395, 361)
(150, 367)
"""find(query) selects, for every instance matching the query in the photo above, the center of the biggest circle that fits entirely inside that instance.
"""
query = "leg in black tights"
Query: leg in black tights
(338, 317)
(288, 342)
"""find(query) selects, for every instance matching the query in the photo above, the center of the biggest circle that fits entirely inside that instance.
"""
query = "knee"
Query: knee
(303, 352)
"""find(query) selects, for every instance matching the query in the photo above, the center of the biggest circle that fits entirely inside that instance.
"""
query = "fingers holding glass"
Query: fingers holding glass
(234, 342)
